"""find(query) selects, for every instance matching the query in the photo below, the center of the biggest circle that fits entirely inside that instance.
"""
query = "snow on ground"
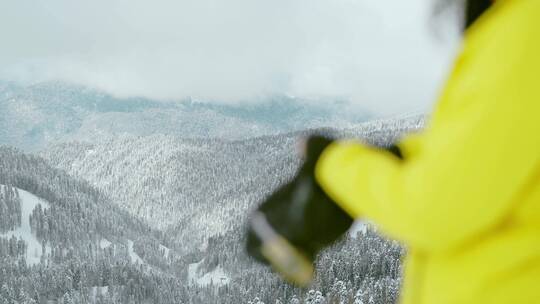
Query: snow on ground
(216, 277)
(28, 203)
(104, 243)
(165, 250)
(193, 269)
(98, 291)
(135, 258)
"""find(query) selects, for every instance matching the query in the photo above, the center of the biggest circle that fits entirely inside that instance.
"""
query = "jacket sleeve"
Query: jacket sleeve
(472, 163)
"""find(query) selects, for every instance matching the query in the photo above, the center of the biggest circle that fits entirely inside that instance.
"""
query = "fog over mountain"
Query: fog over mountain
(35, 115)
(384, 56)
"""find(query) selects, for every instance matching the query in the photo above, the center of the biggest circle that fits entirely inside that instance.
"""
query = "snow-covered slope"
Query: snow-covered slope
(203, 186)
(34, 248)
(216, 277)
(70, 218)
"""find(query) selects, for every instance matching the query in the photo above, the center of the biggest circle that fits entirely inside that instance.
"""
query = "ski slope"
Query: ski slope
(28, 203)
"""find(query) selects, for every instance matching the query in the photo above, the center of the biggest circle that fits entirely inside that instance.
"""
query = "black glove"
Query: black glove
(297, 221)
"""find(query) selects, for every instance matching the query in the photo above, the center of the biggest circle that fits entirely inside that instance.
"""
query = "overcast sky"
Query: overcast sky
(378, 54)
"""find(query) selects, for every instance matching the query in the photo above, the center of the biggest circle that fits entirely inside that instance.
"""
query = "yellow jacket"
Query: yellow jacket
(466, 199)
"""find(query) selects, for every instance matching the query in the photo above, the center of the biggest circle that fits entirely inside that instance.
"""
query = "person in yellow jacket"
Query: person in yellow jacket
(463, 196)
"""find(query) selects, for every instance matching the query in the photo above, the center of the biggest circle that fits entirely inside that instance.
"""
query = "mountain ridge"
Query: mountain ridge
(34, 116)
(168, 181)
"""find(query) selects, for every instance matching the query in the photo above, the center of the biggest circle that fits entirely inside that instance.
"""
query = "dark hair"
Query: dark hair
(469, 10)
(474, 9)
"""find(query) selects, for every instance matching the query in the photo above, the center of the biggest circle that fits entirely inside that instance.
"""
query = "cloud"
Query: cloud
(376, 53)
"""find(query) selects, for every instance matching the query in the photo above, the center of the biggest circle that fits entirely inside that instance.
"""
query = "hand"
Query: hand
(297, 221)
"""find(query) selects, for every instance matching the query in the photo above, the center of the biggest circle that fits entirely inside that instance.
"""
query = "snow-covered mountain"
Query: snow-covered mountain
(95, 200)
(200, 185)
(138, 201)
(94, 252)
(60, 227)
(33, 116)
